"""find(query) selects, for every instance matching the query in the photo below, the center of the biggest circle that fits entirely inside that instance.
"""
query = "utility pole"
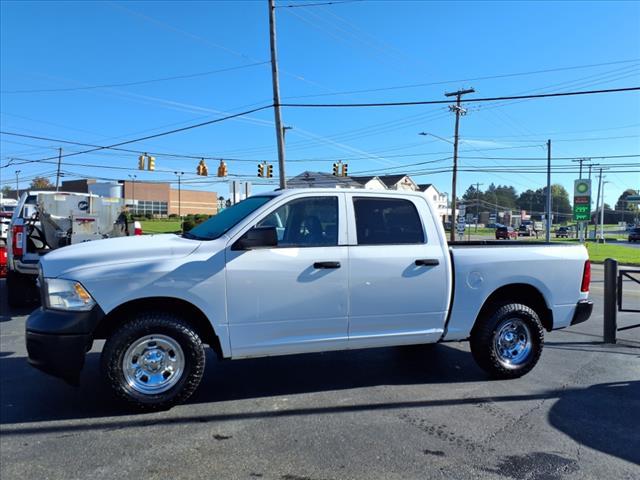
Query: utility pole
(595, 223)
(586, 225)
(580, 160)
(58, 173)
(276, 93)
(477, 202)
(548, 209)
(602, 214)
(17, 184)
(459, 111)
(179, 174)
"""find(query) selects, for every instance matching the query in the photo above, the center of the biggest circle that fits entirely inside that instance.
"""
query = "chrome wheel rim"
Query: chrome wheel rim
(153, 364)
(512, 342)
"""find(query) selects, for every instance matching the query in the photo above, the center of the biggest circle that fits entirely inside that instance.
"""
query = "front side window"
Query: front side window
(224, 221)
(387, 221)
(305, 222)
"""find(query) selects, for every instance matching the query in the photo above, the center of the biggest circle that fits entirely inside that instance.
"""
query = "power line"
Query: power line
(445, 82)
(300, 5)
(555, 158)
(161, 134)
(129, 84)
(468, 100)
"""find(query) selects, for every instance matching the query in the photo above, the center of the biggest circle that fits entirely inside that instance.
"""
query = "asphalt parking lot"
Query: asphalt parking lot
(410, 413)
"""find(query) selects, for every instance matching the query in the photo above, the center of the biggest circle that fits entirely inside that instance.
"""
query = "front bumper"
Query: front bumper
(583, 312)
(57, 341)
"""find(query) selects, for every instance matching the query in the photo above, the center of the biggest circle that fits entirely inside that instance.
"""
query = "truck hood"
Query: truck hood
(115, 251)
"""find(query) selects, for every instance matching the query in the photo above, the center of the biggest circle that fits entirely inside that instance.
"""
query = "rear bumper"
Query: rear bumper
(57, 341)
(583, 312)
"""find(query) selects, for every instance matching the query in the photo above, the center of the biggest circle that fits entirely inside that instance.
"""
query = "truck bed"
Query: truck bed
(481, 267)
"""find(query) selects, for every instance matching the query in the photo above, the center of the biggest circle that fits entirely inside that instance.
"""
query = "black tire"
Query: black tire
(488, 328)
(149, 324)
(21, 289)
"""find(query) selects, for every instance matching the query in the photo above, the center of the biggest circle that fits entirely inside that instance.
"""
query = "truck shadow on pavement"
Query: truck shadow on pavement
(602, 417)
(28, 395)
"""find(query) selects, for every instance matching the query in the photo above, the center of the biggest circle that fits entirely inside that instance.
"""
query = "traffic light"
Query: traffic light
(269, 171)
(344, 169)
(336, 169)
(202, 168)
(222, 169)
(261, 170)
(152, 163)
(141, 160)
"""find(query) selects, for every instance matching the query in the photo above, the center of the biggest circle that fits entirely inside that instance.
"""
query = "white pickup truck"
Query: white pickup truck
(296, 271)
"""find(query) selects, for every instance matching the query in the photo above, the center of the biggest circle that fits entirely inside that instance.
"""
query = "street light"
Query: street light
(284, 131)
(133, 191)
(17, 183)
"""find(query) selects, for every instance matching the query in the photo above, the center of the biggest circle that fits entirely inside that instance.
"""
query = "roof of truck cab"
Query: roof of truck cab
(355, 191)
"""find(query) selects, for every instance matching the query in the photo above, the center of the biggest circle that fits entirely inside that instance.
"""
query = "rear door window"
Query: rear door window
(387, 221)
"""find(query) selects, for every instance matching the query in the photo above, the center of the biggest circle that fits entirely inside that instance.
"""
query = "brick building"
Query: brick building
(155, 198)
(161, 199)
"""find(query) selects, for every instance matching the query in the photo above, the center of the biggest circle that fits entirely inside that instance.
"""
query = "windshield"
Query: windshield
(221, 223)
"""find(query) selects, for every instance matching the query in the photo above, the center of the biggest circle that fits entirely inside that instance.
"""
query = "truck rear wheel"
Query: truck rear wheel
(508, 342)
(154, 362)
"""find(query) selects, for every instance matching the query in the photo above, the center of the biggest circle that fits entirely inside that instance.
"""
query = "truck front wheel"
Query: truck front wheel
(154, 362)
(508, 342)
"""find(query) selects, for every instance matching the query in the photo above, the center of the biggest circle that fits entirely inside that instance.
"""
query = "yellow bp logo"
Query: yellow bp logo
(582, 188)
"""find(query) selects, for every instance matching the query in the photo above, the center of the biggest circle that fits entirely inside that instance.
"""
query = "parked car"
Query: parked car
(347, 270)
(506, 233)
(526, 230)
(634, 235)
(562, 232)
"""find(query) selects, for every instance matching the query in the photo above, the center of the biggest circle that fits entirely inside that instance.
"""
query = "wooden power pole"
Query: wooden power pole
(58, 172)
(276, 93)
(458, 111)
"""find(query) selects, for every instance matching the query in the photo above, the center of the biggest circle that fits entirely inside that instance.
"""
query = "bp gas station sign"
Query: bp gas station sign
(582, 200)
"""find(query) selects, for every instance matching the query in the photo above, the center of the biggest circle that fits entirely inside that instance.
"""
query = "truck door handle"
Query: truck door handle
(427, 262)
(326, 265)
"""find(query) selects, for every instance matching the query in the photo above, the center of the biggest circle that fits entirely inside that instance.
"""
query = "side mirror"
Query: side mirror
(257, 237)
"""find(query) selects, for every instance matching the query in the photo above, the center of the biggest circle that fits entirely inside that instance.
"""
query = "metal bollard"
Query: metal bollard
(610, 300)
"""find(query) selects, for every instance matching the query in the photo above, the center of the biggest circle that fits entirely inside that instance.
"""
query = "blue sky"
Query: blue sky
(323, 50)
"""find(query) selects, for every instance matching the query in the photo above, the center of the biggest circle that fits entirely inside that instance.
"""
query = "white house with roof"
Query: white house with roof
(440, 200)
(370, 182)
(381, 182)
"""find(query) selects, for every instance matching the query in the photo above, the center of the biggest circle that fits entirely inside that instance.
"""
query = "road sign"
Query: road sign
(581, 200)
(633, 198)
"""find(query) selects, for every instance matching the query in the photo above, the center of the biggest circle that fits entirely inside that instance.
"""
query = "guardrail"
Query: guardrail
(613, 297)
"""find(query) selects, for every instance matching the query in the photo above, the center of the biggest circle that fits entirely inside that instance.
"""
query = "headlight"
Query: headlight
(63, 294)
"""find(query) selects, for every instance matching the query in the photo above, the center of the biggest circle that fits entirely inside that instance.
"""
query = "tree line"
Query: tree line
(505, 197)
